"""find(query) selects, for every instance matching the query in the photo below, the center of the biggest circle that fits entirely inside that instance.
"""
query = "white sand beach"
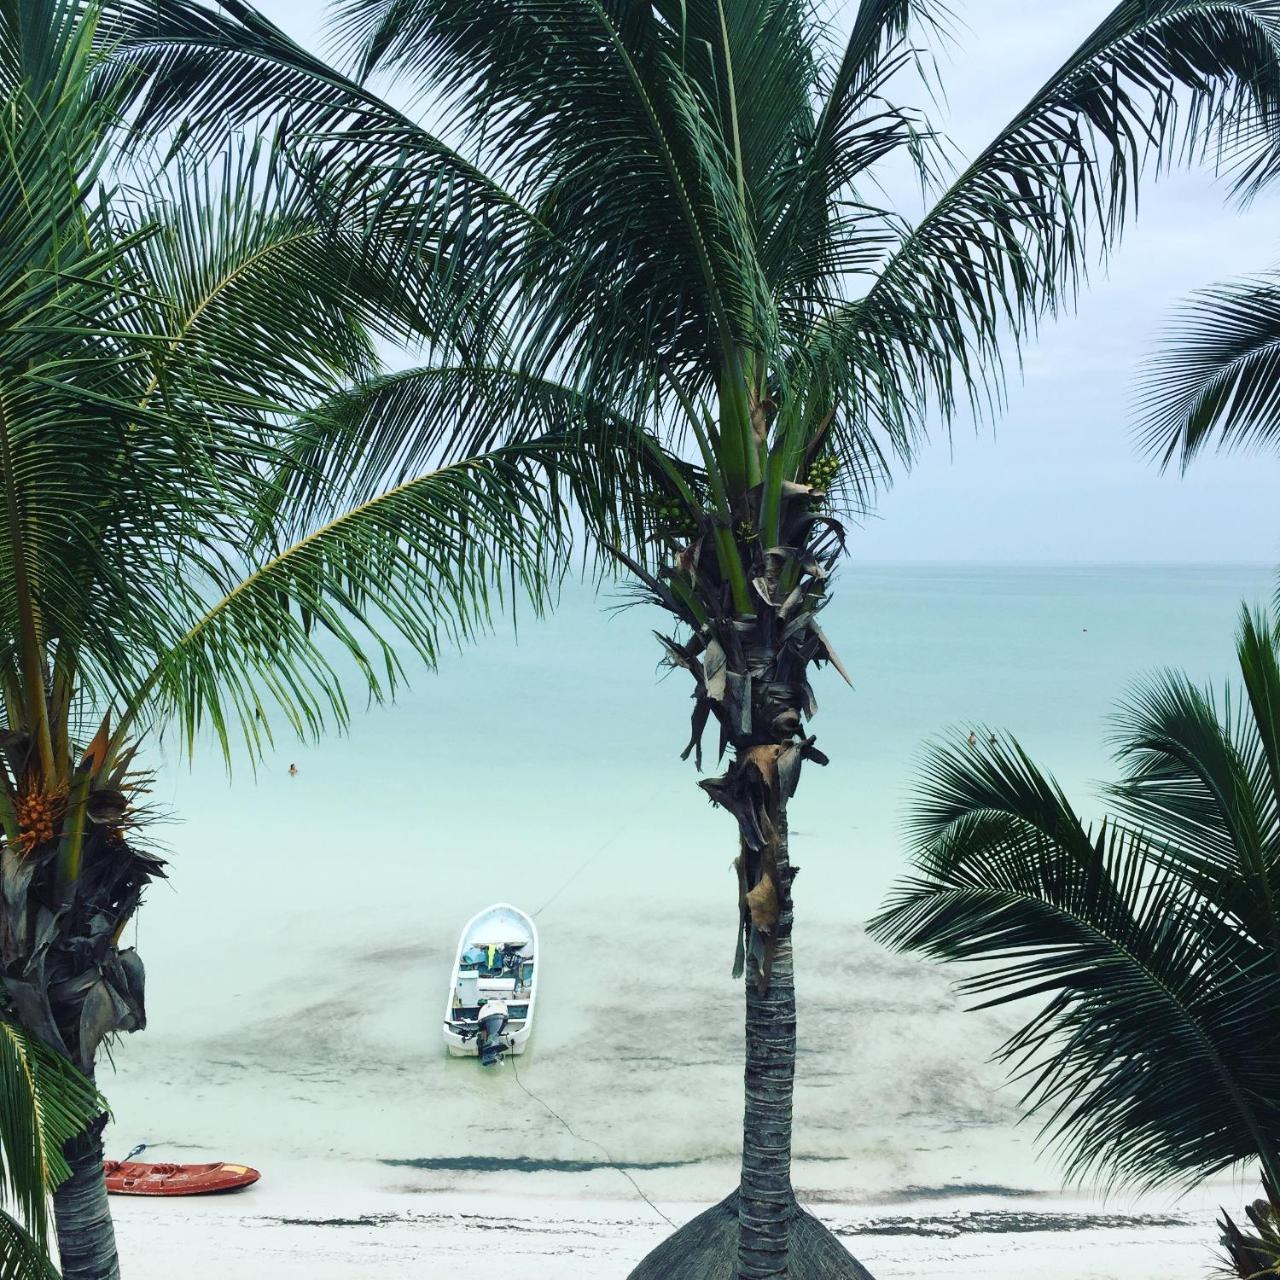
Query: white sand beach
(316, 1225)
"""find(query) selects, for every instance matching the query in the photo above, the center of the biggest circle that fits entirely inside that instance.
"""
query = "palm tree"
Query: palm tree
(182, 540)
(44, 1102)
(1217, 377)
(668, 208)
(1149, 945)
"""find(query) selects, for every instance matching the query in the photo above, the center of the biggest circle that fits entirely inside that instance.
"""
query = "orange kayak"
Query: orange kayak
(130, 1178)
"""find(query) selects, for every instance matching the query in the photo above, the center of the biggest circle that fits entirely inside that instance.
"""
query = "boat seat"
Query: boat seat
(497, 985)
(461, 1013)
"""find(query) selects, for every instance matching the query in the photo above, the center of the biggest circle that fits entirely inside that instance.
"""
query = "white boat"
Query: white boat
(489, 1009)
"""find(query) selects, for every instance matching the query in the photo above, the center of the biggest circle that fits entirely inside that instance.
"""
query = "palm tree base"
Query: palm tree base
(706, 1248)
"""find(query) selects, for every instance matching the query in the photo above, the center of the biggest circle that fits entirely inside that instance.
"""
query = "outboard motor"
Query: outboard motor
(493, 1022)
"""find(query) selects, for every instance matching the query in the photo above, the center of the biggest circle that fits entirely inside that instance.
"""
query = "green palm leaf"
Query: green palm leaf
(1013, 236)
(21, 1257)
(415, 503)
(1218, 376)
(198, 73)
(44, 1103)
(397, 425)
(427, 560)
(1201, 780)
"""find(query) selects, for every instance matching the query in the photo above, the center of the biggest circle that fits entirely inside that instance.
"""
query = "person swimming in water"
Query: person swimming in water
(293, 771)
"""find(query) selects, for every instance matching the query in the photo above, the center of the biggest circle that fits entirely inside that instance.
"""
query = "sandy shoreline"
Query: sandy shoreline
(300, 1224)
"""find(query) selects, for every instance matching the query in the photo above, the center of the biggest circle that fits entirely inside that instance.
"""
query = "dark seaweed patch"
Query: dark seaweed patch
(996, 1223)
(525, 1164)
(956, 1191)
(365, 1220)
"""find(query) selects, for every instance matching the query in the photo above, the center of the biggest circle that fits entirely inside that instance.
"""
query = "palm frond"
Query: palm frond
(209, 70)
(1258, 653)
(244, 253)
(1149, 1049)
(1201, 780)
(21, 1257)
(1012, 237)
(823, 229)
(44, 1103)
(595, 115)
(69, 341)
(398, 425)
(408, 505)
(1217, 377)
(286, 626)
(196, 74)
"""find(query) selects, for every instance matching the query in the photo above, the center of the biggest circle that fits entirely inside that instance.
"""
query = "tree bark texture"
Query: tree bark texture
(766, 1201)
(86, 1237)
(759, 692)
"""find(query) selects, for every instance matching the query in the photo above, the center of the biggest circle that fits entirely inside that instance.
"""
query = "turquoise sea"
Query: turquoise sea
(298, 960)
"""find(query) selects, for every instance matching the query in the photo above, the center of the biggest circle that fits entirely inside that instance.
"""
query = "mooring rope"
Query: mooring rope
(601, 848)
(608, 843)
(613, 1164)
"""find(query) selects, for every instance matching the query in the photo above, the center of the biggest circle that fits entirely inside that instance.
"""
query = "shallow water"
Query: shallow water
(297, 965)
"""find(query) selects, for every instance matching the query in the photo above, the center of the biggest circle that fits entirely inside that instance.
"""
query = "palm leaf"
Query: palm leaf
(1149, 1053)
(823, 228)
(596, 114)
(1201, 780)
(410, 504)
(21, 1257)
(44, 1103)
(1217, 378)
(288, 627)
(212, 69)
(68, 335)
(1012, 237)
(398, 425)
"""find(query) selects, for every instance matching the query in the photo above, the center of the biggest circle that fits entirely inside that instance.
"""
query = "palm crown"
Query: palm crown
(672, 203)
(663, 215)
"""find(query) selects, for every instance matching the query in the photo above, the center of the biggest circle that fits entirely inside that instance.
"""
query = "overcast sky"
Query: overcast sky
(1058, 478)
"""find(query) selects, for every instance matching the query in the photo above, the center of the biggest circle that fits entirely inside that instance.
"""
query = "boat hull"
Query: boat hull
(495, 926)
(131, 1178)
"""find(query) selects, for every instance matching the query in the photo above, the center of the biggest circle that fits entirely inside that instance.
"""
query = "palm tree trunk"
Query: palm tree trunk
(86, 1237)
(766, 1202)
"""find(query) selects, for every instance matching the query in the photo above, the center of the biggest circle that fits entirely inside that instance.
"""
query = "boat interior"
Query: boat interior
(502, 971)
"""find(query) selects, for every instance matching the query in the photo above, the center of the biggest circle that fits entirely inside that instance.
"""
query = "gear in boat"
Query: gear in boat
(490, 1008)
